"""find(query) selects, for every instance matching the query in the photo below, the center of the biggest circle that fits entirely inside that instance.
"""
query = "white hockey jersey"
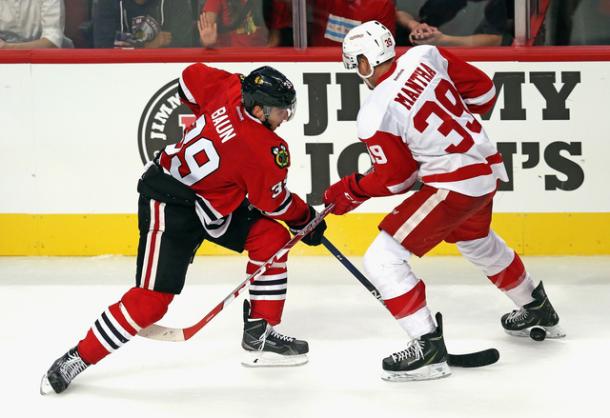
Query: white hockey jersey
(418, 124)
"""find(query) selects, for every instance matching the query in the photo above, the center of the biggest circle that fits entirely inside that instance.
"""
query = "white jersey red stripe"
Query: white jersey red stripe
(424, 105)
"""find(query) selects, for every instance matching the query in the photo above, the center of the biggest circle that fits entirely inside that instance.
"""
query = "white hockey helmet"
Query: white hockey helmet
(371, 39)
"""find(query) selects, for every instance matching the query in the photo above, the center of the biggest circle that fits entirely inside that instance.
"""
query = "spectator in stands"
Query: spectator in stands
(332, 19)
(142, 23)
(278, 15)
(78, 23)
(30, 24)
(405, 21)
(233, 23)
(562, 12)
(246, 23)
(495, 29)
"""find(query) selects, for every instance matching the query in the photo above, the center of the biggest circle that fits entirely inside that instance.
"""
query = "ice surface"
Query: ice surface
(49, 303)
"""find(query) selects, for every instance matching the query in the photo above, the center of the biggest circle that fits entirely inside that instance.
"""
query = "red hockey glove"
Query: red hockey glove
(344, 195)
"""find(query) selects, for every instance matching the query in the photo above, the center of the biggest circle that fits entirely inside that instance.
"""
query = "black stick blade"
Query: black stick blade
(478, 359)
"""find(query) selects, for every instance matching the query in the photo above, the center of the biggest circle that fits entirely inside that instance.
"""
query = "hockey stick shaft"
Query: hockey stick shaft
(162, 333)
(477, 359)
(352, 269)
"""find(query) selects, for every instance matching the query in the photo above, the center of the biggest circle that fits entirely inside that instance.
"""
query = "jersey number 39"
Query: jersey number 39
(200, 157)
(452, 107)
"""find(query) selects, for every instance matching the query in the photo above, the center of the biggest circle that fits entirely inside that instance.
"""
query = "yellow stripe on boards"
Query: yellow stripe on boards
(22, 234)
(86, 235)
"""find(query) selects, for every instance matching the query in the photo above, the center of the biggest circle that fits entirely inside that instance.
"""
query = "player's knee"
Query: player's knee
(386, 261)
(266, 238)
(491, 253)
(483, 248)
(146, 306)
(471, 246)
(278, 236)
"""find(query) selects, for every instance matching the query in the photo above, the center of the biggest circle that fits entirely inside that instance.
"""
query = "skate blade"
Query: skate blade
(267, 359)
(45, 386)
(551, 332)
(430, 372)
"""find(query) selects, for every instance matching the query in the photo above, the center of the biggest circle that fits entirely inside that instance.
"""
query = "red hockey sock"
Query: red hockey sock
(511, 276)
(408, 302)
(137, 309)
(268, 291)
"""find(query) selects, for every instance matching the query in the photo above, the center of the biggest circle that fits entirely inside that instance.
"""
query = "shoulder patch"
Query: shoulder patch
(281, 156)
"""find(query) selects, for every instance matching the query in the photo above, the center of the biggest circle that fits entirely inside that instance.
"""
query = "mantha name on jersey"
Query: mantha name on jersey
(415, 85)
(418, 123)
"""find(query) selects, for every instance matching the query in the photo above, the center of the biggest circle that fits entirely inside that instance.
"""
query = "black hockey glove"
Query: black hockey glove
(314, 237)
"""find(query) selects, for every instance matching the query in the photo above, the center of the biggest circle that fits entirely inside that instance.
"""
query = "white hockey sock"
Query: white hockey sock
(522, 293)
(418, 323)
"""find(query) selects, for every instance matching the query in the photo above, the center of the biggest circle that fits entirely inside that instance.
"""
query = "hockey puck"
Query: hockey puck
(537, 334)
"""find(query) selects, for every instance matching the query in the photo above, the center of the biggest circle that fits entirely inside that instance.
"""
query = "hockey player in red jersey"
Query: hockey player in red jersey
(224, 182)
(418, 124)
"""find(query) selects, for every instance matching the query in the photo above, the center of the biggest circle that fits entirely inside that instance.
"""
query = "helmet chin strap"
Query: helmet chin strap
(266, 113)
(365, 78)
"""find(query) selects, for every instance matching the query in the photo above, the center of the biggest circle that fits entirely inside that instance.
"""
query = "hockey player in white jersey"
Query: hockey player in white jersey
(418, 124)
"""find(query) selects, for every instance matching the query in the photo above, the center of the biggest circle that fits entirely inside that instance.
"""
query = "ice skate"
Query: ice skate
(536, 315)
(265, 347)
(425, 358)
(62, 372)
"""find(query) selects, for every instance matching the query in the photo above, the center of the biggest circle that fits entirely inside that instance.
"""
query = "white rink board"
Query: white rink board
(69, 137)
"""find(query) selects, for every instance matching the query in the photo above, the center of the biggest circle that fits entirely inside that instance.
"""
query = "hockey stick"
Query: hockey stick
(162, 333)
(477, 359)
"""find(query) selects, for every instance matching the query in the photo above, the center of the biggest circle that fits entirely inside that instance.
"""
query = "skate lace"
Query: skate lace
(413, 351)
(270, 331)
(517, 315)
(281, 337)
(72, 367)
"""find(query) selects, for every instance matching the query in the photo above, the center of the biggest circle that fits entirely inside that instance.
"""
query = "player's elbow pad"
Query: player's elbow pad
(482, 109)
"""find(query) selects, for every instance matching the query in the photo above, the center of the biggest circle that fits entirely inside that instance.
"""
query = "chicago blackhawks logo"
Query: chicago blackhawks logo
(281, 156)
(163, 121)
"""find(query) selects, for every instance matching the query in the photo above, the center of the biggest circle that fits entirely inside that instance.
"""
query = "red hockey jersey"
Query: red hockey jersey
(228, 155)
